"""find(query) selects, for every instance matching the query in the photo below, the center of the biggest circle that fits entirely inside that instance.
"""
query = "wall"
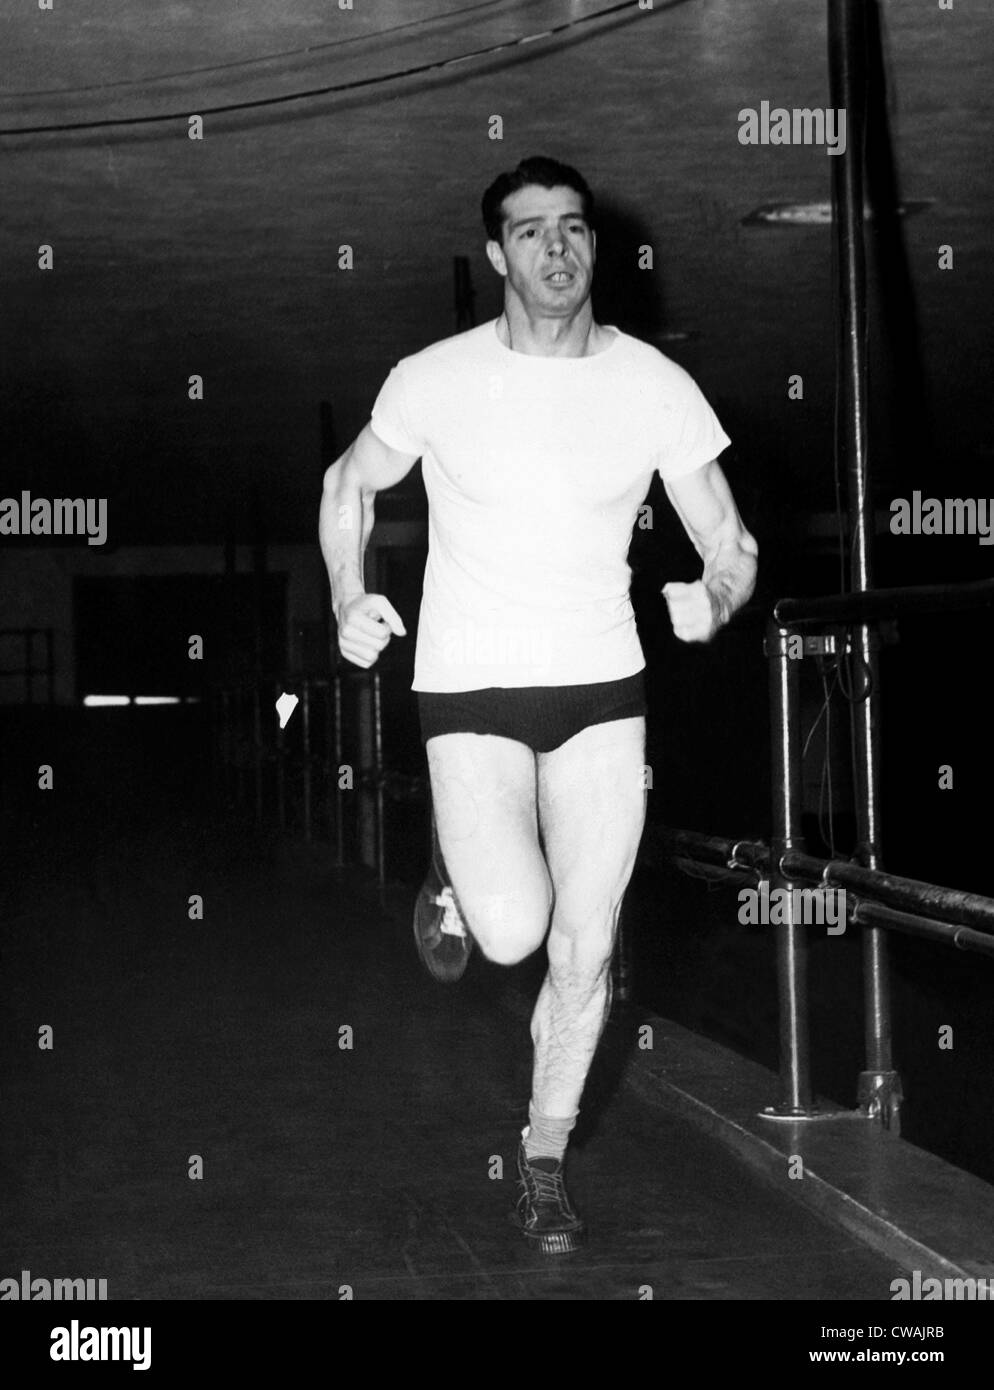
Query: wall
(36, 588)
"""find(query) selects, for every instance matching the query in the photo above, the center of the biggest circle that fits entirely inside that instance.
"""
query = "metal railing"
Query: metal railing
(883, 902)
(26, 669)
(324, 773)
(296, 778)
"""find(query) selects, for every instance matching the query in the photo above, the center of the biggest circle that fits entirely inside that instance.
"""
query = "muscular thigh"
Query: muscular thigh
(484, 794)
(592, 812)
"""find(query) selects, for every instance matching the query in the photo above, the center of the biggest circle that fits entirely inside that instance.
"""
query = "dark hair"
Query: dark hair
(536, 169)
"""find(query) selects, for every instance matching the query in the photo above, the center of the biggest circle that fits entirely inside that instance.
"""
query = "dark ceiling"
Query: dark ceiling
(218, 257)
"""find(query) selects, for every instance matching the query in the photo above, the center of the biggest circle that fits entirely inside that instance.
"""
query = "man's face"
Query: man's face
(548, 250)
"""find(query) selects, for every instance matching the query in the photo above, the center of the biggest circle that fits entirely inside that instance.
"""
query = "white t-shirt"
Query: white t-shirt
(535, 468)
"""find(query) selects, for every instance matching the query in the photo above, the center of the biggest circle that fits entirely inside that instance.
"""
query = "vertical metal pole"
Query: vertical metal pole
(365, 766)
(280, 768)
(378, 775)
(879, 1084)
(305, 702)
(339, 791)
(791, 943)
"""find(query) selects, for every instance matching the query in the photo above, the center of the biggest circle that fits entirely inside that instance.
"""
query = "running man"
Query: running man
(539, 433)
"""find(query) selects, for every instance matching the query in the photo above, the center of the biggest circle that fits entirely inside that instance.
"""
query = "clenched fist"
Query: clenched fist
(694, 611)
(365, 625)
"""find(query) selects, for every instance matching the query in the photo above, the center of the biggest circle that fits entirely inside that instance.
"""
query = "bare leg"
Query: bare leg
(490, 794)
(592, 812)
(484, 794)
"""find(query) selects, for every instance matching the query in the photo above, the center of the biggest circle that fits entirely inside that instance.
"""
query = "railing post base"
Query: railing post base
(879, 1097)
(784, 1112)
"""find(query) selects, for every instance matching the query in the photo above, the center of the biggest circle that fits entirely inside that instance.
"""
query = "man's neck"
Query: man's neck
(543, 337)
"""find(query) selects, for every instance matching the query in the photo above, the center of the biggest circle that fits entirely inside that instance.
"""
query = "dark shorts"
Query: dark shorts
(542, 716)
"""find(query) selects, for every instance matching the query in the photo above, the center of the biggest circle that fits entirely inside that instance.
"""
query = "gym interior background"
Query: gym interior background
(223, 258)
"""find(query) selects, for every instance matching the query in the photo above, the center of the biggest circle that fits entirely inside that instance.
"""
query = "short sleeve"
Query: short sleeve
(696, 435)
(392, 418)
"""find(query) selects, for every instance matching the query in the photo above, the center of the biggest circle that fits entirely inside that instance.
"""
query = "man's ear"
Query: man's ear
(593, 242)
(495, 256)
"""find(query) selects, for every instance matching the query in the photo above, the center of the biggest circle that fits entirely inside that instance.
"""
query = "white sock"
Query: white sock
(546, 1136)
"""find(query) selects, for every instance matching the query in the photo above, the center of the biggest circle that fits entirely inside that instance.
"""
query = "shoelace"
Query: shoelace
(451, 923)
(548, 1187)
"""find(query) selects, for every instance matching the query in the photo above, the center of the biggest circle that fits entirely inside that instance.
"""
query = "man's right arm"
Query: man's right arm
(365, 621)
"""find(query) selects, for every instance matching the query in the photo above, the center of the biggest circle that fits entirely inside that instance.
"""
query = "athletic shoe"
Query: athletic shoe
(544, 1212)
(443, 942)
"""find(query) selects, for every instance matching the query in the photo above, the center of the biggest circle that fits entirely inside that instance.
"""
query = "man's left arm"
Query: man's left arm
(704, 503)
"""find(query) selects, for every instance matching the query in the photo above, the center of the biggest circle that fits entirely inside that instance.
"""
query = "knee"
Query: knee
(510, 950)
(583, 915)
(581, 942)
(579, 966)
(506, 930)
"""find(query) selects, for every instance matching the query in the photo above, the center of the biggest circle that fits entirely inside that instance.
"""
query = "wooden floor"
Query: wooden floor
(349, 1115)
